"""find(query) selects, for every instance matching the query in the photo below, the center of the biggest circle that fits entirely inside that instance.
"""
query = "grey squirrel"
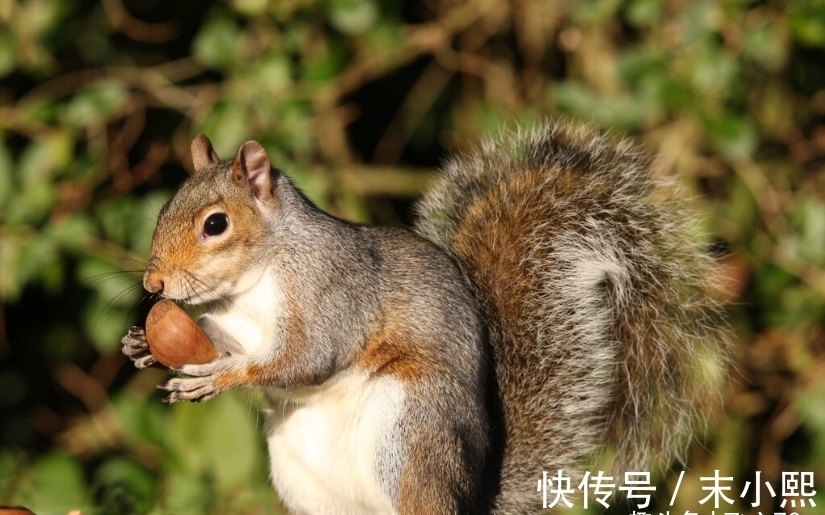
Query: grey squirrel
(548, 312)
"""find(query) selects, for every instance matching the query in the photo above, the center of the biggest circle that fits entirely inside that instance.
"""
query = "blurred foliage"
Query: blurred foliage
(360, 100)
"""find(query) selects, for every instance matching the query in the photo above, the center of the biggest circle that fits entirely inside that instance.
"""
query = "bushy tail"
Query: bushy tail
(606, 348)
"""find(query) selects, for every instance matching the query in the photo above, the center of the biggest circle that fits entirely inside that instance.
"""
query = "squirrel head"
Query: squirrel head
(211, 235)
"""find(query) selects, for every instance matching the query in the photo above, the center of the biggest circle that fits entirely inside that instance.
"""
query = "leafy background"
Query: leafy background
(360, 100)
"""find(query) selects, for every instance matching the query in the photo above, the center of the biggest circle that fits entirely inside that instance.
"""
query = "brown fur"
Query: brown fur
(391, 351)
(591, 290)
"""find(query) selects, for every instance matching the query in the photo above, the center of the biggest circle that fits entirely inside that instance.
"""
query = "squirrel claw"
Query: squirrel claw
(136, 348)
(134, 341)
(145, 361)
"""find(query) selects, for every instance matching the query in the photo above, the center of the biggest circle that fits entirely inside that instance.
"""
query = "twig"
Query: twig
(137, 29)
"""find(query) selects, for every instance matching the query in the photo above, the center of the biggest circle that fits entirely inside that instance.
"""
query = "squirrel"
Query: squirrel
(548, 311)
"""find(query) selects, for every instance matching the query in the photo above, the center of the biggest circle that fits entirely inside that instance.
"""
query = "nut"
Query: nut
(15, 510)
(175, 339)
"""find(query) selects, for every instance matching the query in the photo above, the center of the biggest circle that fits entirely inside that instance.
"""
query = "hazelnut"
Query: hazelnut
(175, 339)
(15, 510)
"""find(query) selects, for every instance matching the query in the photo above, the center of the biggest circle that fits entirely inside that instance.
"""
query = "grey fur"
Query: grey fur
(345, 288)
(625, 351)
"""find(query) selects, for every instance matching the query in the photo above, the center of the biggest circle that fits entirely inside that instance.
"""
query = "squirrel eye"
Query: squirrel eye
(215, 224)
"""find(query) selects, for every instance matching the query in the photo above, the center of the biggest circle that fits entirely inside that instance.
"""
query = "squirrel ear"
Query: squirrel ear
(202, 153)
(253, 170)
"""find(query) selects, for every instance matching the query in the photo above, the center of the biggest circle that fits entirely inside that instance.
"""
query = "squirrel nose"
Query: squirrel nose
(152, 280)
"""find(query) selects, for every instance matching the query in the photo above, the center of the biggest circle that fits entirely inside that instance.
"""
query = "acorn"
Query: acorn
(175, 339)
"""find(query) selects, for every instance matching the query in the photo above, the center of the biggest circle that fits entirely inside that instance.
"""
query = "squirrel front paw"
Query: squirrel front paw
(202, 386)
(136, 348)
(195, 389)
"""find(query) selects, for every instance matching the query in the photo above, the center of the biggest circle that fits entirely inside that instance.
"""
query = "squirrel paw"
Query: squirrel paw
(136, 348)
(198, 388)
(195, 389)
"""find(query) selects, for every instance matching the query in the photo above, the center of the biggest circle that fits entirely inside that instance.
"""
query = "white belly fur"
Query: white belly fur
(323, 444)
(322, 440)
(245, 324)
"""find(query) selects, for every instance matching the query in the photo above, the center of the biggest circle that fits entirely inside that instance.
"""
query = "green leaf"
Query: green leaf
(741, 209)
(105, 321)
(11, 284)
(42, 110)
(353, 16)
(109, 281)
(14, 477)
(58, 485)
(216, 43)
(43, 158)
(130, 222)
(219, 440)
(623, 112)
(699, 23)
(186, 494)
(273, 76)
(227, 127)
(40, 260)
(250, 8)
(386, 40)
(185, 443)
(807, 22)
(72, 232)
(765, 45)
(639, 63)
(41, 17)
(142, 418)
(32, 205)
(715, 72)
(734, 137)
(573, 97)
(106, 314)
(594, 11)
(673, 93)
(8, 53)
(96, 104)
(7, 186)
(809, 403)
(323, 64)
(234, 440)
(644, 13)
(144, 220)
(809, 216)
